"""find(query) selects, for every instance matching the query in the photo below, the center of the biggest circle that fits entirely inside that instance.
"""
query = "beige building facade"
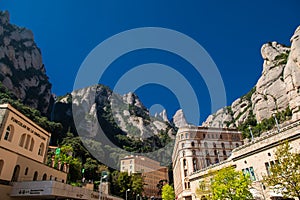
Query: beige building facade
(254, 158)
(23, 170)
(151, 172)
(197, 148)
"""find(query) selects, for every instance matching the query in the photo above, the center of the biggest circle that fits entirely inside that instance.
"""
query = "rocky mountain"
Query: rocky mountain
(276, 92)
(125, 113)
(21, 67)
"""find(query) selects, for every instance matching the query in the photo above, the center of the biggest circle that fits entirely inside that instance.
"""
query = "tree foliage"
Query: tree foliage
(226, 183)
(168, 192)
(121, 181)
(284, 175)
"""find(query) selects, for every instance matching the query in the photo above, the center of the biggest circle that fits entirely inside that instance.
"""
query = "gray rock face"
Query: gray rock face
(179, 119)
(127, 111)
(21, 67)
(277, 88)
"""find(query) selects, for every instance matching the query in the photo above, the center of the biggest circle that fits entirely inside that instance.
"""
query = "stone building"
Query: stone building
(197, 148)
(254, 158)
(151, 170)
(23, 170)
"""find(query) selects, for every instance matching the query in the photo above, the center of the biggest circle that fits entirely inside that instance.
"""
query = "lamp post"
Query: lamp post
(251, 133)
(126, 193)
(100, 185)
(276, 121)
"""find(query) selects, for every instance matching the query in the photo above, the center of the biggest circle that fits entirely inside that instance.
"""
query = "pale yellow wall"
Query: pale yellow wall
(22, 125)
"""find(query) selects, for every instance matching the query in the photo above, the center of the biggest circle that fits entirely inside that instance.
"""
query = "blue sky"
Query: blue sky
(232, 32)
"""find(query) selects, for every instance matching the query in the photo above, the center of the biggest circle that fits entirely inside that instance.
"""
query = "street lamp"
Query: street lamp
(251, 133)
(276, 121)
(100, 185)
(126, 193)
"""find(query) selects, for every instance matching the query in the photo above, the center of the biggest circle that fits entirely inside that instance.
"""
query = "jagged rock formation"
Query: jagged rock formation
(162, 115)
(278, 88)
(124, 112)
(21, 68)
(179, 119)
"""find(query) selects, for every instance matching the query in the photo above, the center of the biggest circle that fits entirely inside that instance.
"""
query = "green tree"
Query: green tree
(121, 181)
(284, 175)
(230, 184)
(168, 192)
(204, 190)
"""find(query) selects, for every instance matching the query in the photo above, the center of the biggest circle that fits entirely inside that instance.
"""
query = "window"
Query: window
(195, 168)
(186, 135)
(203, 135)
(221, 137)
(207, 162)
(185, 172)
(215, 152)
(22, 140)
(205, 144)
(27, 141)
(193, 152)
(212, 136)
(44, 177)
(214, 144)
(267, 165)
(8, 133)
(26, 171)
(35, 176)
(193, 144)
(41, 150)
(249, 171)
(182, 145)
(31, 144)
(237, 145)
(223, 145)
(184, 162)
(206, 152)
(208, 136)
(1, 165)
(216, 160)
(224, 152)
(183, 153)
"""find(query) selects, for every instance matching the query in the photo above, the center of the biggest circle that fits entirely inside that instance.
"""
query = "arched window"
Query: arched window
(35, 176)
(207, 162)
(183, 153)
(216, 160)
(223, 145)
(27, 141)
(8, 133)
(22, 140)
(15, 175)
(41, 149)
(193, 144)
(193, 152)
(195, 164)
(237, 145)
(1, 165)
(186, 135)
(50, 178)
(214, 145)
(221, 137)
(224, 152)
(31, 144)
(45, 177)
(184, 162)
(215, 152)
(26, 171)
